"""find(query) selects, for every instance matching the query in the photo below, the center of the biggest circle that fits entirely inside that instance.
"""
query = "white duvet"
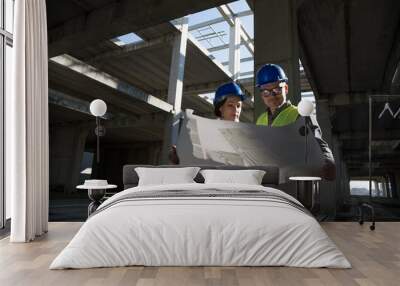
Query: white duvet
(200, 231)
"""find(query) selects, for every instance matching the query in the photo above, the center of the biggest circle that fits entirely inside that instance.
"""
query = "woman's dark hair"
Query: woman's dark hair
(217, 106)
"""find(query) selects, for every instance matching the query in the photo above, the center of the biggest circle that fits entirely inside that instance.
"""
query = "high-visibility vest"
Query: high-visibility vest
(285, 117)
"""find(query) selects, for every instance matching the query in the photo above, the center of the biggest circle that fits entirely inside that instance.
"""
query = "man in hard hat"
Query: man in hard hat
(227, 103)
(272, 83)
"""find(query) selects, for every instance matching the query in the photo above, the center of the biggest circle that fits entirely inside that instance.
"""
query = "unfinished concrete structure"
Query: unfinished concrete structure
(348, 50)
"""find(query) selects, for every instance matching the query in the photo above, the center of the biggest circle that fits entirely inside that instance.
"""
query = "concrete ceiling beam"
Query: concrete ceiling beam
(392, 65)
(128, 49)
(72, 103)
(116, 19)
(377, 135)
(346, 99)
(229, 17)
(218, 20)
(110, 81)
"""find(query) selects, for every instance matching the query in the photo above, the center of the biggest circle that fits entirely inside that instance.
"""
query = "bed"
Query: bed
(201, 224)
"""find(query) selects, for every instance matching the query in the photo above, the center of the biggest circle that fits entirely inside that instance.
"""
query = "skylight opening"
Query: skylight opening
(212, 36)
(201, 16)
(208, 96)
(239, 6)
(248, 24)
(127, 39)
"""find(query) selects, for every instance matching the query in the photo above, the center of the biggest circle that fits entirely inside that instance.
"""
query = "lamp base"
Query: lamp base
(308, 195)
(100, 131)
(302, 131)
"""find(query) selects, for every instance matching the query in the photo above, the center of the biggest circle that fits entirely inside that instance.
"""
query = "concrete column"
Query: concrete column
(343, 183)
(175, 89)
(276, 41)
(384, 188)
(387, 186)
(394, 178)
(375, 186)
(81, 134)
(154, 153)
(67, 145)
(234, 48)
(396, 187)
(328, 188)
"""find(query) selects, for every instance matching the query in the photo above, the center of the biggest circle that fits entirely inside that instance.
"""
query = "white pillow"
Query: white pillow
(248, 177)
(164, 176)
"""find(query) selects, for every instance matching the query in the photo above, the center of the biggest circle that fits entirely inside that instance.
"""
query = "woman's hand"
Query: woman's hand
(173, 155)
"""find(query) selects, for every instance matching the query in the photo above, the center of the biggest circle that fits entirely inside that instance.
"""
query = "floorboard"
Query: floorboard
(375, 257)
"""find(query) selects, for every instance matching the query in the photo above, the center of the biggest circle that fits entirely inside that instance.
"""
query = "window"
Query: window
(2, 44)
(7, 89)
(6, 40)
(380, 187)
(359, 187)
(9, 15)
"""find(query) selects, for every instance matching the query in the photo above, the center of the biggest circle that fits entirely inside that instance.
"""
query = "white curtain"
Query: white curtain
(27, 124)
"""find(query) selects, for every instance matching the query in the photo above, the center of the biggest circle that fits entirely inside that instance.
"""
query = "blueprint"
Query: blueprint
(203, 141)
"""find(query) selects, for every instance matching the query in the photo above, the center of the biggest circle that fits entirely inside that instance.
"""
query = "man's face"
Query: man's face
(231, 109)
(272, 95)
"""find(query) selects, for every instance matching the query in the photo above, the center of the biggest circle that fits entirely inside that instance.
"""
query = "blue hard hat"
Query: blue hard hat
(228, 89)
(270, 73)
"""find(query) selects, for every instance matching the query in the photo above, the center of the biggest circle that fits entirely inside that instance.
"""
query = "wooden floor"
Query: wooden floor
(375, 257)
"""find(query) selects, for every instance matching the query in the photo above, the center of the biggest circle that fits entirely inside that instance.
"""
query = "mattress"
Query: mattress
(201, 225)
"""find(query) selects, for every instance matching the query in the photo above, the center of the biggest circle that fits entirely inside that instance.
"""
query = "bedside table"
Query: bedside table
(307, 192)
(95, 193)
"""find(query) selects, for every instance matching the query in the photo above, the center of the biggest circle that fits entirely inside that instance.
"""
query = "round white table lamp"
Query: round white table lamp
(305, 107)
(98, 107)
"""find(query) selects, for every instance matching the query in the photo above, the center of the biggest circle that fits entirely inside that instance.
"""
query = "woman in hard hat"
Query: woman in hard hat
(227, 102)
